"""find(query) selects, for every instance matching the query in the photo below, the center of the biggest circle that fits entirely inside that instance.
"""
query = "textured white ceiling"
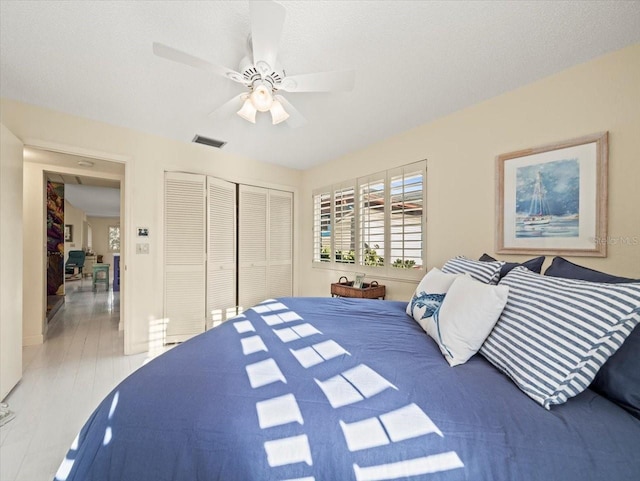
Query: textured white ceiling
(415, 61)
(94, 201)
(96, 192)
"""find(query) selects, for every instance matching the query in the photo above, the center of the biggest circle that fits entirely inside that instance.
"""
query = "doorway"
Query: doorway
(66, 172)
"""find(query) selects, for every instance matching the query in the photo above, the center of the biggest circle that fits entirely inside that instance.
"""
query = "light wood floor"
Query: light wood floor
(63, 381)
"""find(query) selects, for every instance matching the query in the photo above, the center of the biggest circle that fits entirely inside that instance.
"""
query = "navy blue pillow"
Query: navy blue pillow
(534, 265)
(619, 378)
(561, 267)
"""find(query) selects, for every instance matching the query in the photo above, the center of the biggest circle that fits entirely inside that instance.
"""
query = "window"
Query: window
(344, 232)
(406, 199)
(376, 223)
(322, 227)
(114, 238)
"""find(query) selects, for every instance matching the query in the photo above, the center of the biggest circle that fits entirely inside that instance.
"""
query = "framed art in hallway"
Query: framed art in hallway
(552, 199)
(68, 232)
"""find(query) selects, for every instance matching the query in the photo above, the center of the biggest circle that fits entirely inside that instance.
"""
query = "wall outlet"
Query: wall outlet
(142, 248)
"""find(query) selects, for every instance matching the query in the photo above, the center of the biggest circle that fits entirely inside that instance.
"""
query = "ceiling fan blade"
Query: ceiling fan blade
(184, 58)
(267, 19)
(229, 108)
(296, 119)
(338, 81)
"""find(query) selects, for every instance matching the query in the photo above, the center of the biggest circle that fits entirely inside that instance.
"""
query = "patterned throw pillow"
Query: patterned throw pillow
(466, 318)
(487, 272)
(554, 334)
(428, 296)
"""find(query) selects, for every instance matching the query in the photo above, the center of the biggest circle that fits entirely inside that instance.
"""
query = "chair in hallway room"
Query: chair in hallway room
(74, 263)
(100, 275)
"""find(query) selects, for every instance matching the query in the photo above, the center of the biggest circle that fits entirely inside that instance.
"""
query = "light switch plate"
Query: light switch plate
(142, 248)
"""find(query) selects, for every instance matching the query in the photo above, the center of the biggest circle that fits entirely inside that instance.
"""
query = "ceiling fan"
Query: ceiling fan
(260, 72)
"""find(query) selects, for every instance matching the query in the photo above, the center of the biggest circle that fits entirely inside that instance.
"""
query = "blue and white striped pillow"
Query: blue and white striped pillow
(554, 334)
(487, 272)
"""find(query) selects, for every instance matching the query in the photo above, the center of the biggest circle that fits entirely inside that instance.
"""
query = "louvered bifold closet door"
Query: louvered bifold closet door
(184, 254)
(279, 272)
(252, 246)
(221, 251)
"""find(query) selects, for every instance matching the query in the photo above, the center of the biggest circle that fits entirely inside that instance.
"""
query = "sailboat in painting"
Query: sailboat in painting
(539, 209)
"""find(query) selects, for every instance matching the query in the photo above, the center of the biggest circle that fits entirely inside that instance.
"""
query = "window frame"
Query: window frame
(385, 271)
(109, 248)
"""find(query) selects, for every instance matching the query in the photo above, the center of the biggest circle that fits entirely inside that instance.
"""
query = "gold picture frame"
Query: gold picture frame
(552, 199)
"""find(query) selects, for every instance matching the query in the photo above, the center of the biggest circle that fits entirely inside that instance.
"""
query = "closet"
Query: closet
(227, 247)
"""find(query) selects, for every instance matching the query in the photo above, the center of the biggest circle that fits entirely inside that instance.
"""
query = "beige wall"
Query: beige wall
(147, 157)
(601, 95)
(75, 217)
(11, 172)
(100, 237)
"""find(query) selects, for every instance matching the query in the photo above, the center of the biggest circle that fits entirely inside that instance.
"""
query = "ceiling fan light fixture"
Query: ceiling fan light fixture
(248, 111)
(261, 98)
(278, 113)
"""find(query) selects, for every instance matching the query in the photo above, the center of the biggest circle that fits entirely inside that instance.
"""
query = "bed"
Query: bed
(340, 389)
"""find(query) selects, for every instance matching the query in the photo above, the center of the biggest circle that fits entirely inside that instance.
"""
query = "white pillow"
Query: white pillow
(466, 317)
(429, 295)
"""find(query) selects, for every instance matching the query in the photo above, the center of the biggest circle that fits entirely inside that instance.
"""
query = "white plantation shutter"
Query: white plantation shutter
(344, 232)
(221, 251)
(372, 220)
(184, 254)
(406, 198)
(252, 246)
(279, 277)
(322, 227)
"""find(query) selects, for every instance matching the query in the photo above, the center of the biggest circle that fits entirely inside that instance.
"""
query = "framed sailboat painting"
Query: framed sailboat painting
(553, 199)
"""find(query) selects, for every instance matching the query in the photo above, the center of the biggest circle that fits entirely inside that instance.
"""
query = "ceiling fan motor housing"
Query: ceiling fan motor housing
(251, 74)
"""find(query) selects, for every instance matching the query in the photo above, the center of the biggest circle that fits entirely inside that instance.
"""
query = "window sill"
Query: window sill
(413, 276)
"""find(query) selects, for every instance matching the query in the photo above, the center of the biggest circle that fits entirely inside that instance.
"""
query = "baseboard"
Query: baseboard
(32, 340)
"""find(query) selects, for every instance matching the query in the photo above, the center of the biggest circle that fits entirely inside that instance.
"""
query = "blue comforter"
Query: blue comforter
(340, 389)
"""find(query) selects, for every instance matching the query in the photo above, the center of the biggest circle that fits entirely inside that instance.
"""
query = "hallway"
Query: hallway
(63, 381)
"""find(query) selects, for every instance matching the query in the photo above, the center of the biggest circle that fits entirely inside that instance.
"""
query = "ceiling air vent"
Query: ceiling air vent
(218, 144)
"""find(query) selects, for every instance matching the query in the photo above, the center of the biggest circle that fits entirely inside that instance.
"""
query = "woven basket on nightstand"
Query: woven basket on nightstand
(344, 288)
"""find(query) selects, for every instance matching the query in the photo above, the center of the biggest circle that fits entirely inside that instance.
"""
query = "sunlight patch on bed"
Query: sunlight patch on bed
(353, 385)
(408, 422)
(410, 467)
(404, 423)
(367, 381)
(252, 345)
(288, 451)
(287, 316)
(244, 326)
(289, 334)
(339, 392)
(364, 434)
(278, 411)
(263, 373)
(269, 307)
(318, 353)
